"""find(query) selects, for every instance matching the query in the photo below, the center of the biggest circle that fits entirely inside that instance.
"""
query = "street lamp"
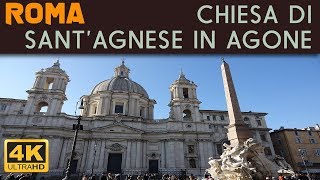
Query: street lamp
(76, 127)
(94, 157)
(304, 162)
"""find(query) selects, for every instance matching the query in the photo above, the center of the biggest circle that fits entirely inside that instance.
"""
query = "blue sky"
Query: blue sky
(286, 87)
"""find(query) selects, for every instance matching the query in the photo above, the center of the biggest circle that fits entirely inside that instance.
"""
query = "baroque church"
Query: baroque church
(120, 134)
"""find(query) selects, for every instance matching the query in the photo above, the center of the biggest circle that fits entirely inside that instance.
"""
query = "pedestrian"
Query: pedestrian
(10, 177)
(281, 177)
(109, 177)
(104, 176)
(85, 177)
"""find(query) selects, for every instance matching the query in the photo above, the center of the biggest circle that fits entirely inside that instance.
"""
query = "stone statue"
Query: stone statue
(245, 162)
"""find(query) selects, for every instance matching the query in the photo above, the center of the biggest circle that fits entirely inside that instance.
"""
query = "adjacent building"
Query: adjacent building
(120, 134)
(299, 147)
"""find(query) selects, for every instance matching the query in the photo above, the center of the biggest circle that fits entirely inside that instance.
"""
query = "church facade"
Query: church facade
(120, 134)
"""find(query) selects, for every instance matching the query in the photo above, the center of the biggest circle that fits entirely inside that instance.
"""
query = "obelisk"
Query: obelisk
(238, 131)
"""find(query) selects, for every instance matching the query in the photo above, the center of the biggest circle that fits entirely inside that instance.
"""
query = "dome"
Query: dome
(120, 84)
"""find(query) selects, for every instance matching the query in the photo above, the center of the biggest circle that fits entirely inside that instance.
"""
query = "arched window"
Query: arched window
(49, 83)
(185, 93)
(94, 108)
(187, 115)
(246, 119)
(42, 108)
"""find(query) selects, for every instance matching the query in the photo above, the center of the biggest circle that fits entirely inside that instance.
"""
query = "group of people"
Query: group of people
(11, 176)
(297, 176)
(153, 176)
(147, 176)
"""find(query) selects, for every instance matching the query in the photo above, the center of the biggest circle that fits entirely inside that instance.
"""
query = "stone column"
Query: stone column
(112, 107)
(128, 155)
(210, 150)
(84, 156)
(171, 154)
(101, 156)
(59, 84)
(163, 154)
(90, 153)
(176, 92)
(201, 151)
(131, 107)
(137, 110)
(96, 151)
(168, 155)
(139, 159)
(180, 155)
(42, 82)
(144, 155)
(52, 107)
(106, 110)
(63, 153)
(56, 145)
(100, 105)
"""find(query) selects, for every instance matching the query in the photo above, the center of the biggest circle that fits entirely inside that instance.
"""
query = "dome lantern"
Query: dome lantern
(122, 71)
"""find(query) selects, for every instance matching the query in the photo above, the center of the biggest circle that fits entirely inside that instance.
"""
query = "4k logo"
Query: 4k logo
(26, 155)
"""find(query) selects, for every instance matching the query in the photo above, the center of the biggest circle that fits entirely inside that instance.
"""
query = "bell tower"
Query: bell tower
(184, 105)
(47, 95)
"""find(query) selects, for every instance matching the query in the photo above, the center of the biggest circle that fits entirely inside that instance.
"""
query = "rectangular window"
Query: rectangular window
(3, 107)
(142, 110)
(263, 137)
(298, 140)
(310, 133)
(222, 117)
(279, 141)
(267, 151)
(213, 117)
(216, 128)
(185, 92)
(118, 109)
(259, 122)
(191, 149)
(296, 133)
(208, 118)
(313, 141)
(302, 152)
(317, 152)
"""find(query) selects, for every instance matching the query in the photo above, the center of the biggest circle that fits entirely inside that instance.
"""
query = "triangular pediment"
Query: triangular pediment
(117, 127)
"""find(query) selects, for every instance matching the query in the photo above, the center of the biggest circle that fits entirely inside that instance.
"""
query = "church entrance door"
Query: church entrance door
(153, 166)
(114, 163)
